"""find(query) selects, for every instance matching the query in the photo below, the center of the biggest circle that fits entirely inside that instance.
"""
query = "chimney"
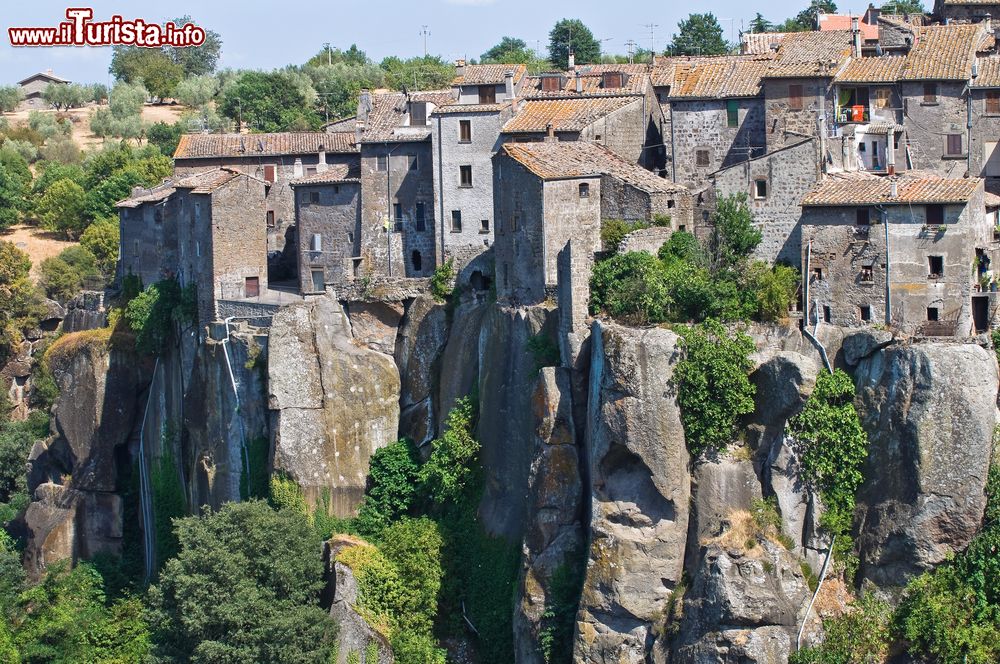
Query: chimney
(856, 35)
(508, 81)
(550, 133)
(572, 60)
(890, 152)
(460, 67)
(364, 108)
(988, 23)
(297, 168)
(321, 163)
(579, 84)
(893, 192)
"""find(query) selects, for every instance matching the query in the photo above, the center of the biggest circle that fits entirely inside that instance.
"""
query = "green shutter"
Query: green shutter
(732, 113)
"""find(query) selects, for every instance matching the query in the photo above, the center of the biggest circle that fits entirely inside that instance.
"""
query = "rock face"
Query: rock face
(421, 340)
(459, 372)
(929, 410)
(554, 535)
(355, 636)
(640, 490)
(375, 323)
(333, 403)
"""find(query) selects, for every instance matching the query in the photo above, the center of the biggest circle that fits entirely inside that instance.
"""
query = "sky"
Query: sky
(267, 35)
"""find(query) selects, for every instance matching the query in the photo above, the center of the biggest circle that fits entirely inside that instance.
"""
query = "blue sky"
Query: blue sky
(275, 33)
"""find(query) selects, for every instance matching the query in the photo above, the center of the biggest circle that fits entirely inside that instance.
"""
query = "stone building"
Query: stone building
(33, 88)
(552, 192)
(966, 10)
(328, 218)
(148, 234)
(985, 107)
(866, 131)
(936, 229)
(465, 136)
(277, 159)
(397, 236)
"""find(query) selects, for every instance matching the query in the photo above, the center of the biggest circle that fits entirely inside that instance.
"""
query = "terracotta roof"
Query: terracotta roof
(666, 69)
(43, 74)
(883, 128)
(829, 22)
(333, 174)
(207, 146)
(719, 78)
(871, 190)
(471, 108)
(942, 52)
(564, 114)
(884, 69)
(566, 159)
(989, 73)
(489, 74)
(155, 194)
(760, 43)
(991, 200)
(811, 54)
(976, 3)
(388, 113)
(591, 82)
(208, 181)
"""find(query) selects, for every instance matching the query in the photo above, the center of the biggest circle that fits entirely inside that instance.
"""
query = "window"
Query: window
(930, 93)
(382, 162)
(795, 97)
(413, 163)
(826, 313)
(551, 83)
(456, 221)
(350, 238)
(515, 221)
(883, 97)
(314, 197)
(760, 189)
(863, 217)
(670, 204)
(270, 218)
(317, 242)
(701, 157)
(953, 147)
(818, 273)
(418, 114)
(197, 211)
(732, 113)
(269, 173)
(584, 190)
(318, 280)
(682, 227)
(484, 225)
(417, 261)
(487, 94)
(197, 248)
(465, 131)
(935, 267)
(993, 102)
(419, 217)
(867, 275)
(932, 313)
(866, 313)
(397, 212)
(465, 176)
(251, 286)
(612, 79)
(935, 214)
(310, 170)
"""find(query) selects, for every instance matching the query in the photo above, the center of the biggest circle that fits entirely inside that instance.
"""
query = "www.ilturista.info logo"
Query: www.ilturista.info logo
(80, 30)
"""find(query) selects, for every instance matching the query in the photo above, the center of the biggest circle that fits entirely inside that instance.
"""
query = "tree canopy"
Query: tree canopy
(699, 34)
(571, 33)
(267, 101)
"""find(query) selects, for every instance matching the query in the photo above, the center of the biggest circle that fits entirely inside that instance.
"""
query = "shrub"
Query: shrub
(442, 281)
(62, 208)
(713, 387)
(392, 486)
(413, 546)
(449, 469)
(613, 231)
(63, 276)
(860, 635)
(735, 237)
(632, 287)
(102, 238)
(775, 289)
(152, 313)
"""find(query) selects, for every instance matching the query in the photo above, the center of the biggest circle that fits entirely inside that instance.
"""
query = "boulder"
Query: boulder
(640, 492)
(333, 402)
(720, 486)
(930, 412)
(784, 381)
(859, 344)
(375, 324)
(763, 645)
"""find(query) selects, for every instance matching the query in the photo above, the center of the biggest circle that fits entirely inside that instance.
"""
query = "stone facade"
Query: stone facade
(984, 157)
(789, 117)
(847, 266)
(621, 200)
(928, 125)
(331, 211)
(148, 245)
(702, 125)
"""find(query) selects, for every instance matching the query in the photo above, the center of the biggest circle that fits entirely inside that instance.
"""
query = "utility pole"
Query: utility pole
(652, 40)
(426, 33)
(329, 55)
(630, 46)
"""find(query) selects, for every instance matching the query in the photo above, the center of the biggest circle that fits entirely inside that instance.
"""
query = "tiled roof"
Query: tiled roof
(489, 74)
(811, 54)
(471, 108)
(718, 78)
(208, 181)
(388, 113)
(978, 3)
(155, 194)
(989, 73)
(942, 52)
(591, 79)
(885, 69)
(883, 128)
(333, 174)
(564, 114)
(46, 75)
(829, 22)
(760, 43)
(563, 159)
(869, 191)
(666, 69)
(207, 146)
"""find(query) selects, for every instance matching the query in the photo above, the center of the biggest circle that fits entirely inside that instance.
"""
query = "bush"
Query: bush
(413, 546)
(165, 137)
(102, 239)
(62, 208)
(449, 471)
(860, 635)
(442, 281)
(63, 276)
(613, 231)
(152, 314)
(392, 486)
(713, 387)
(632, 287)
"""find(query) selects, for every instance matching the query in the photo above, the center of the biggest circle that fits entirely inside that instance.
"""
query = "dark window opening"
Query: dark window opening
(760, 189)
(795, 97)
(613, 79)
(418, 114)
(270, 218)
(818, 273)
(701, 157)
(863, 217)
(417, 260)
(826, 313)
(420, 219)
(465, 176)
(397, 212)
(935, 266)
(382, 162)
(866, 313)
(932, 313)
(487, 94)
(584, 190)
(935, 214)
(456, 221)
(484, 225)
(867, 273)
(930, 93)
(464, 131)
(314, 197)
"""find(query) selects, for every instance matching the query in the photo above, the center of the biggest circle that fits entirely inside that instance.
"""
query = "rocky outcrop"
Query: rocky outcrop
(333, 403)
(85, 312)
(553, 537)
(640, 492)
(929, 410)
(459, 372)
(421, 340)
(355, 637)
(375, 324)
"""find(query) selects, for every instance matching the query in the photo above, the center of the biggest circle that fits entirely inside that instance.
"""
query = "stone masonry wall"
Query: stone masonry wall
(239, 240)
(785, 125)
(927, 123)
(335, 218)
(519, 253)
(568, 216)
(702, 125)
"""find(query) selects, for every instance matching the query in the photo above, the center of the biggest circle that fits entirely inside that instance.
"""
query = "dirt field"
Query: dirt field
(38, 243)
(81, 120)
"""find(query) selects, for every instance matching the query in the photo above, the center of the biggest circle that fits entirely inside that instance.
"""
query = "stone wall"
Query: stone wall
(238, 239)
(927, 124)
(702, 125)
(785, 125)
(336, 219)
(645, 239)
(148, 241)
(985, 129)
(568, 216)
(520, 253)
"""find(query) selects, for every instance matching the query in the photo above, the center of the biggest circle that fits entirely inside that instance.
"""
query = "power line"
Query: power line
(652, 38)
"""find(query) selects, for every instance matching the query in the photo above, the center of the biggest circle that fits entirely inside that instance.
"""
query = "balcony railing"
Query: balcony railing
(846, 114)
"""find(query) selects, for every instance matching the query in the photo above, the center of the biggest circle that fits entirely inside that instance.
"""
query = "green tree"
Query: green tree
(571, 34)
(448, 470)
(510, 50)
(632, 287)
(806, 19)
(64, 275)
(338, 85)
(165, 136)
(66, 95)
(393, 486)
(413, 546)
(735, 236)
(699, 34)
(102, 239)
(713, 385)
(330, 56)
(419, 73)
(150, 67)
(903, 7)
(10, 97)
(19, 301)
(196, 91)
(62, 208)
(13, 201)
(760, 24)
(267, 102)
(196, 60)
(243, 588)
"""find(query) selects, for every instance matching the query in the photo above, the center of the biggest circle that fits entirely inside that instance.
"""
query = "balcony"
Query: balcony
(856, 113)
